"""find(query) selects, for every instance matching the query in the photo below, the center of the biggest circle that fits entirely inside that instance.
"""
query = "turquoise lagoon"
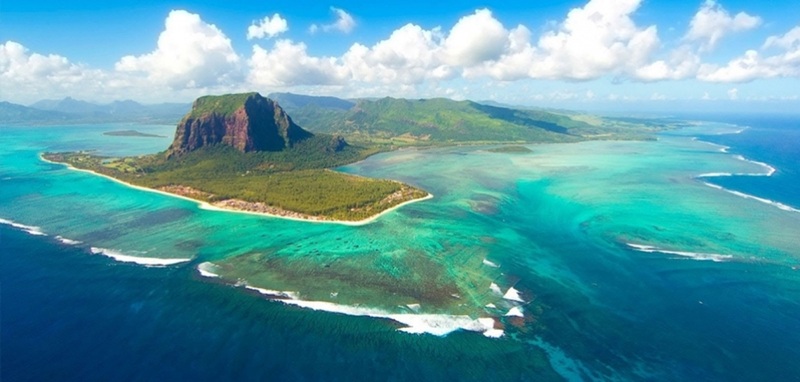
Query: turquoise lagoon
(588, 261)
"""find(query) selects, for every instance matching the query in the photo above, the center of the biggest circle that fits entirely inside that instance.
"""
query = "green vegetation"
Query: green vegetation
(442, 121)
(511, 149)
(291, 182)
(222, 105)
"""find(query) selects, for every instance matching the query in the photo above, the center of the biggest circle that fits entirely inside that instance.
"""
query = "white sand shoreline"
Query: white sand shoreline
(210, 207)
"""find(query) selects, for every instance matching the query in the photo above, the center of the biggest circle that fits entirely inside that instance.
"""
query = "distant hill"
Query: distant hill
(14, 114)
(438, 120)
(443, 121)
(69, 105)
(70, 110)
(291, 101)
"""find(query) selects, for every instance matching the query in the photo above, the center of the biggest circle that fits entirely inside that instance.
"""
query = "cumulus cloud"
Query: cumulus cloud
(268, 27)
(344, 23)
(682, 63)
(712, 22)
(33, 75)
(475, 38)
(754, 65)
(595, 40)
(190, 53)
(599, 39)
(288, 64)
(410, 55)
(789, 41)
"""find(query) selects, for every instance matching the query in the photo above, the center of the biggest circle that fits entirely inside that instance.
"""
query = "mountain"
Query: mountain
(247, 122)
(70, 110)
(292, 101)
(439, 120)
(11, 113)
(69, 105)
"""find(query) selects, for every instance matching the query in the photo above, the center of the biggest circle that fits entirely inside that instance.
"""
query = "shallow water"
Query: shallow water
(627, 265)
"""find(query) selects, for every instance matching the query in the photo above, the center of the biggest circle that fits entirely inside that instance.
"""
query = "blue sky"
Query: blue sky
(578, 54)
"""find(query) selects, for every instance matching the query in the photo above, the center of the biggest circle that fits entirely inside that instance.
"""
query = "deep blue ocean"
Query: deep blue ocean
(66, 315)
(770, 139)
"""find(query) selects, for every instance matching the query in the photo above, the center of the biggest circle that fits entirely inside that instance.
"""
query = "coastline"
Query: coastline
(210, 207)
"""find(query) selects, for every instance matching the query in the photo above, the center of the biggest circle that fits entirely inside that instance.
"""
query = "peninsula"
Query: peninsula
(242, 152)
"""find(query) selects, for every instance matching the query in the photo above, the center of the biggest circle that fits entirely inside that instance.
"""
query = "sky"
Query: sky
(596, 54)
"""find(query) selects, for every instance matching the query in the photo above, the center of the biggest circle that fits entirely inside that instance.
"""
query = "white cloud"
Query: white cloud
(683, 63)
(753, 65)
(190, 53)
(599, 39)
(712, 22)
(595, 40)
(18, 64)
(268, 27)
(789, 41)
(474, 39)
(32, 76)
(733, 94)
(410, 55)
(344, 23)
(288, 64)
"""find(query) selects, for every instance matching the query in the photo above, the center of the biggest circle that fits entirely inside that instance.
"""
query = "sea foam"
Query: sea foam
(693, 255)
(146, 261)
(207, 269)
(515, 312)
(436, 324)
(416, 323)
(274, 293)
(33, 230)
(495, 288)
(490, 264)
(66, 241)
(512, 295)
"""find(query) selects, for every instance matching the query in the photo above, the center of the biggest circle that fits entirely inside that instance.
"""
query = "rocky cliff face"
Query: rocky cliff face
(247, 122)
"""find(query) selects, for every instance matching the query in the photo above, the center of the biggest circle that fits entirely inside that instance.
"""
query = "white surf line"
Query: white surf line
(66, 241)
(146, 261)
(33, 230)
(715, 257)
(209, 207)
(753, 197)
(416, 323)
(206, 269)
(770, 171)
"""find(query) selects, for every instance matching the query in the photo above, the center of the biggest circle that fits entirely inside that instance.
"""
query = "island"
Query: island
(242, 152)
(131, 133)
(510, 150)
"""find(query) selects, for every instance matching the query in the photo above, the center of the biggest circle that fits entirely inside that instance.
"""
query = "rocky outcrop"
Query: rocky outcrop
(246, 122)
